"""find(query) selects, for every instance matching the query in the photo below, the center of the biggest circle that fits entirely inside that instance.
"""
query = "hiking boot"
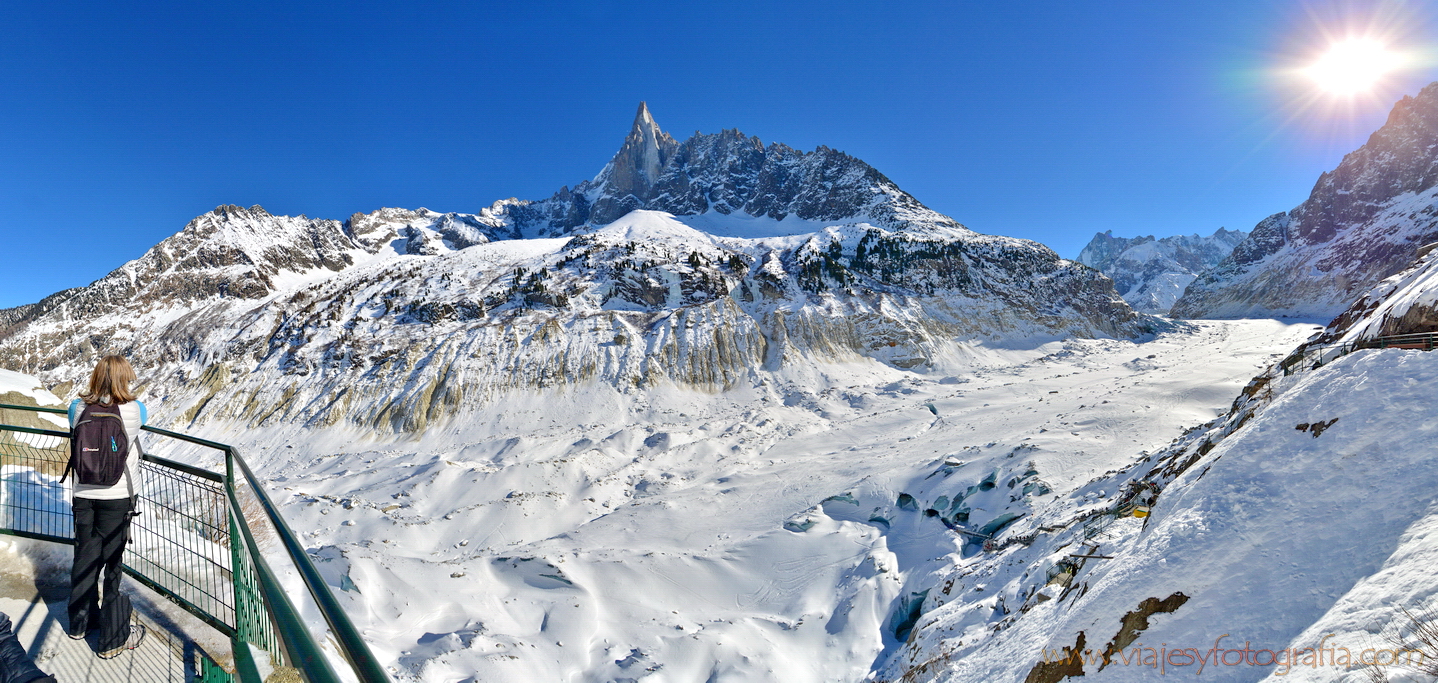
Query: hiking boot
(137, 636)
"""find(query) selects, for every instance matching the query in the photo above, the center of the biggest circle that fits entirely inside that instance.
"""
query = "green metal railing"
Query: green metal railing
(194, 545)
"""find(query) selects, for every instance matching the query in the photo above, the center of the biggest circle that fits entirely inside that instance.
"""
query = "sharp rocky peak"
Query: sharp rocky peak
(725, 173)
(229, 210)
(635, 169)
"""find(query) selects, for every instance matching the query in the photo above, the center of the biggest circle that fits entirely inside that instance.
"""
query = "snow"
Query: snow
(591, 534)
(1286, 537)
(750, 530)
(776, 530)
(1147, 251)
(290, 280)
(656, 227)
(28, 386)
(1395, 297)
(1303, 279)
(1152, 274)
(797, 522)
(741, 224)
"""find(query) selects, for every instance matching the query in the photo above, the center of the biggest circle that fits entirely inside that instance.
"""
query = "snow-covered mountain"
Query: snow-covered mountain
(1301, 516)
(1406, 303)
(1150, 274)
(1365, 220)
(723, 174)
(698, 263)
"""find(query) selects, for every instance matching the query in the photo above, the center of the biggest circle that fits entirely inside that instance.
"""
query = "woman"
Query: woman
(102, 517)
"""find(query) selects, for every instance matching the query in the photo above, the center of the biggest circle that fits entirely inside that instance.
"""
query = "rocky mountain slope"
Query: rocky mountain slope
(1364, 221)
(1404, 304)
(1150, 274)
(1244, 567)
(699, 263)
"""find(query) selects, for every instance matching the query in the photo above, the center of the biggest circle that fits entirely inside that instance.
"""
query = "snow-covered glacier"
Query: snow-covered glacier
(731, 259)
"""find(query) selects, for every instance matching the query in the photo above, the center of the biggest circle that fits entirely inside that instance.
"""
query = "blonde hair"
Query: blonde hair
(110, 380)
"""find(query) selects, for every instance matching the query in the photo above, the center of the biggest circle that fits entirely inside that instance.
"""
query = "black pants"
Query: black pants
(101, 529)
(15, 665)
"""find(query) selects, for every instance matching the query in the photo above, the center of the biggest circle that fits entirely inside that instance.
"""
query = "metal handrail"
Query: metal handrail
(296, 638)
(305, 653)
(187, 469)
(1291, 364)
(351, 644)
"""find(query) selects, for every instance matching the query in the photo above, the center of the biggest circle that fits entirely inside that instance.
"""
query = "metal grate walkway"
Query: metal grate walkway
(167, 655)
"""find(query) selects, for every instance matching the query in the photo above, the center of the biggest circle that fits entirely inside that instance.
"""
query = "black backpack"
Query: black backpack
(98, 446)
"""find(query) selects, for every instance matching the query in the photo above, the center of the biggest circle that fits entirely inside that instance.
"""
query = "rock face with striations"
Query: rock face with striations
(702, 264)
(1149, 273)
(726, 173)
(1363, 222)
(630, 178)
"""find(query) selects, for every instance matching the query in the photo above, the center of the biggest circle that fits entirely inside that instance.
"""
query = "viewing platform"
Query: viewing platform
(214, 609)
(174, 650)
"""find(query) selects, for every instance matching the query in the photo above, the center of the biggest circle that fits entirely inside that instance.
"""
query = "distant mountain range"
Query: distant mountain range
(703, 263)
(1150, 274)
(1364, 221)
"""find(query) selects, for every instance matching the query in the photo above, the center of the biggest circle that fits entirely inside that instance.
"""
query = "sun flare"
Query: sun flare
(1353, 66)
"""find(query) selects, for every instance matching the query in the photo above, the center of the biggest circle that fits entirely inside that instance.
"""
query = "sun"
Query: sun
(1353, 66)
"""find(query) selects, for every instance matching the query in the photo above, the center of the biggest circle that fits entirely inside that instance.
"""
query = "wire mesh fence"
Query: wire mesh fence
(180, 542)
(194, 541)
(32, 499)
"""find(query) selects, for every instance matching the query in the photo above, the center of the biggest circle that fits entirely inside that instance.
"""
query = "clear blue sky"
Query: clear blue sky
(1046, 120)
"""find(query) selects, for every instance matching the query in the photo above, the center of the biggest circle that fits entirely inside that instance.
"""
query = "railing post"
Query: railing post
(299, 645)
(245, 665)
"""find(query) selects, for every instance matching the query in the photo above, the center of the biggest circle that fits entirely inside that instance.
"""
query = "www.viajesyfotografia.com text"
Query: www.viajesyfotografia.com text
(1165, 659)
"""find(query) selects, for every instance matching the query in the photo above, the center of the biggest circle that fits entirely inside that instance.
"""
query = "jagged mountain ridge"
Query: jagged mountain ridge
(1363, 222)
(1150, 274)
(725, 173)
(396, 318)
